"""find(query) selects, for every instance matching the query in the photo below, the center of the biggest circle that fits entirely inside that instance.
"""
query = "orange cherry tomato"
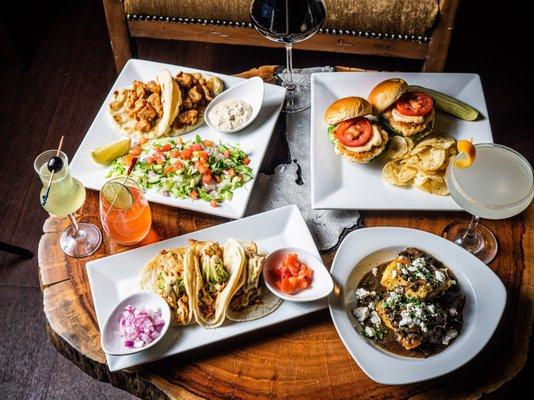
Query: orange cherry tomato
(206, 178)
(170, 169)
(166, 147)
(175, 153)
(178, 165)
(201, 167)
(187, 154)
(214, 203)
(193, 194)
(227, 153)
(208, 143)
(197, 147)
(292, 275)
(203, 155)
(246, 161)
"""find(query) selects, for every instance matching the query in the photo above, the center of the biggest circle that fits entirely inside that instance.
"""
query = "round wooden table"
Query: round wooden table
(301, 359)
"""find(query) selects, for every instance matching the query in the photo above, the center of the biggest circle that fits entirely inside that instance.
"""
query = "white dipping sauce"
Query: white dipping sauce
(230, 114)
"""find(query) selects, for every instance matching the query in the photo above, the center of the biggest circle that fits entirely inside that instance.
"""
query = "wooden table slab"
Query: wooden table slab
(301, 359)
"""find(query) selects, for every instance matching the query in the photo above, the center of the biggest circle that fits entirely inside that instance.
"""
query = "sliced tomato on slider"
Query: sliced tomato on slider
(354, 132)
(414, 104)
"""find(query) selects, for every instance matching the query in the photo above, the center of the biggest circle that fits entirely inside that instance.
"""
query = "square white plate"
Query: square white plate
(115, 277)
(339, 184)
(485, 298)
(254, 139)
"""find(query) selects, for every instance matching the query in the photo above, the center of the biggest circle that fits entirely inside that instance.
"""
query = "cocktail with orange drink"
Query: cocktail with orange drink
(124, 211)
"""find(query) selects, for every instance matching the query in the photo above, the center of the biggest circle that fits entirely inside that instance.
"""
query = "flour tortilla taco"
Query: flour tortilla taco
(218, 275)
(253, 300)
(168, 276)
(146, 109)
(196, 92)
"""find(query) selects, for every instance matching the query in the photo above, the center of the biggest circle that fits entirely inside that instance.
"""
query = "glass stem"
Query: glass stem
(470, 238)
(289, 85)
(74, 224)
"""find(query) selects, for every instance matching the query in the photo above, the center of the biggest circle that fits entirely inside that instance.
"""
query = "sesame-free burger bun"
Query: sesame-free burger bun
(386, 93)
(347, 108)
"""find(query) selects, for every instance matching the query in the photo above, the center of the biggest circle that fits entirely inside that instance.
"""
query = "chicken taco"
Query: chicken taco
(146, 109)
(218, 275)
(170, 277)
(252, 300)
(196, 92)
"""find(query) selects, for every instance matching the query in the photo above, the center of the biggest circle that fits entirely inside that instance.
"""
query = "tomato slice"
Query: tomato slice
(354, 132)
(414, 104)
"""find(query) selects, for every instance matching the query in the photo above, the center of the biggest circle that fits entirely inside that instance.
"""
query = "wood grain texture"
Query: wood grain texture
(441, 37)
(119, 36)
(249, 37)
(299, 359)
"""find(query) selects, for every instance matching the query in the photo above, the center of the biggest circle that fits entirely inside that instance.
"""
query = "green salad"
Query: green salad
(187, 169)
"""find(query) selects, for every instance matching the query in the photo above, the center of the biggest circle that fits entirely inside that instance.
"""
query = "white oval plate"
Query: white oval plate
(485, 296)
(250, 91)
(321, 285)
(110, 340)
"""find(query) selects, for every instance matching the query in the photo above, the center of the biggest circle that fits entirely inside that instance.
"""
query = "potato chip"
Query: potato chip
(439, 142)
(431, 159)
(435, 187)
(392, 174)
(424, 165)
(398, 148)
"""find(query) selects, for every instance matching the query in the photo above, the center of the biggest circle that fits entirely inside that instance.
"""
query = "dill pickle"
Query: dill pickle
(448, 104)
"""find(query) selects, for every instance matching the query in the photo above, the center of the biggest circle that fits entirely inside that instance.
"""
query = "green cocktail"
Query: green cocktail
(62, 195)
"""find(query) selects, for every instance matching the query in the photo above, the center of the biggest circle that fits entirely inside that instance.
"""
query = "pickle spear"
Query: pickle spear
(448, 104)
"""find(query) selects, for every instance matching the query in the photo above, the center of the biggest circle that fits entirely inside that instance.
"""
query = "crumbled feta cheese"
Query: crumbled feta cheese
(449, 336)
(361, 313)
(375, 319)
(440, 276)
(369, 331)
(375, 271)
(361, 293)
(453, 312)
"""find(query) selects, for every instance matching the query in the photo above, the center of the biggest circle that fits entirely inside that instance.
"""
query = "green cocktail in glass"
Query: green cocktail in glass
(62, 196)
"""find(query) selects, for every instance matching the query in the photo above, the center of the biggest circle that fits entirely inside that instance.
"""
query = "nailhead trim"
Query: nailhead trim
(329, 31)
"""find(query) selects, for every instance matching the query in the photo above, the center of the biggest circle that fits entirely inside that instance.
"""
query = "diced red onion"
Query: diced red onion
(139, 326)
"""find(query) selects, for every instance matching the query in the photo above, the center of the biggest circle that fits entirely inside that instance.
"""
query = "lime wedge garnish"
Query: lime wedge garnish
(117, 194)
(106, 154)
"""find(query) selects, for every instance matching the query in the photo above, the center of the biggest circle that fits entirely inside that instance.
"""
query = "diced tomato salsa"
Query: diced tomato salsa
(292, 275)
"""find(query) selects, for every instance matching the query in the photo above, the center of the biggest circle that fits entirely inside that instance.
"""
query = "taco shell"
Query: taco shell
(215, 85)
(168, 276)
(224, 268)
(124, 115)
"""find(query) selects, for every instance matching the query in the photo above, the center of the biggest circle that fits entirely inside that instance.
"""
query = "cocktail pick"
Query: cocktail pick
(130, 169)
(45, 196)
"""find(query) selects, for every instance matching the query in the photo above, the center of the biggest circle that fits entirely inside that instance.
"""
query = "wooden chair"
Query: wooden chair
(431, 49)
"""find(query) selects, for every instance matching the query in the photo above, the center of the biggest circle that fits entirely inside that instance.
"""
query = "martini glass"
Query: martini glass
(288, 22)
(498, 185)
(62, 195)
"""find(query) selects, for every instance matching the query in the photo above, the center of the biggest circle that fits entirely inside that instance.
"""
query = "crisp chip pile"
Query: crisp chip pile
(423, 165)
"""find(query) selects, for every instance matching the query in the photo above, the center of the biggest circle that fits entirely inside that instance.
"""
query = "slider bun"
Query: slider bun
(347, 108)
(386, 93)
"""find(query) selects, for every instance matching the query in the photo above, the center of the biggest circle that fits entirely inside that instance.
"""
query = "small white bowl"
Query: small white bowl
(250, 91)
(321, 285)
(110, 339)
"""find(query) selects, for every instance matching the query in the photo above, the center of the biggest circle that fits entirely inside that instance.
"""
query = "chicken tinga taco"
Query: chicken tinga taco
(170, 277)
(218, 275)
(253, 300)
(196, 92)
(146, 109)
